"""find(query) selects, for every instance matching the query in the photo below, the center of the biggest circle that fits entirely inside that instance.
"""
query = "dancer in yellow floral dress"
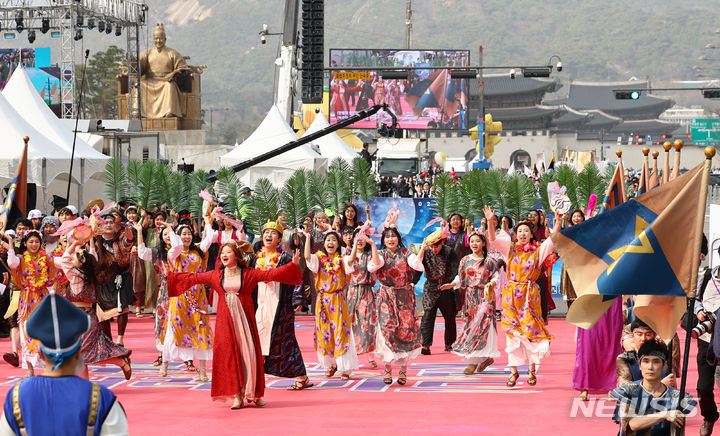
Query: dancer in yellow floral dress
(528, 340)
(187, 334)
(333, 338)
(34, 273)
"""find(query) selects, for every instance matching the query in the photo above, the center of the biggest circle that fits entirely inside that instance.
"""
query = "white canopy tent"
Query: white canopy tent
(24, 98)
(272, 133)
(331, 145)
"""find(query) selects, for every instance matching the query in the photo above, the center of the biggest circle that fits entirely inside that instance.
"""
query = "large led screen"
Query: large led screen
(430, 99)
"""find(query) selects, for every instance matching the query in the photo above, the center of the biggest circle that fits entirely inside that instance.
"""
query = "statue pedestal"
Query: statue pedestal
(171, 123)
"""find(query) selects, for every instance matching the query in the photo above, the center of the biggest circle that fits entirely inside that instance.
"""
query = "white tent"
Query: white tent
(24, 98)
(272, 133)
(331, 145)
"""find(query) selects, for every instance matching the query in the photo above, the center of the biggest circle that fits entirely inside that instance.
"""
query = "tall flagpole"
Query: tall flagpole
(695, 262)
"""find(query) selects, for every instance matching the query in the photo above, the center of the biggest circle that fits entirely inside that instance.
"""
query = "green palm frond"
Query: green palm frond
(519, 195)
(116, 186)
(589, 182)
(133, 172)
(163, 184)
(609, 172)
(567, 176)
(145, 191)
(229, 190)
(472, 195)
(495, 190)
(264, 205)
(446, 193)
(293, 199)
(315, 190)
(364, 179)
(338, 189)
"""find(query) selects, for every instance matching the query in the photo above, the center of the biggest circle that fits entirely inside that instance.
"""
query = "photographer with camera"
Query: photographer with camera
(707, 305)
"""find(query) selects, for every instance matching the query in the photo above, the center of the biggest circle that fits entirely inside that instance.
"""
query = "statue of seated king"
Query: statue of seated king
(169, 88)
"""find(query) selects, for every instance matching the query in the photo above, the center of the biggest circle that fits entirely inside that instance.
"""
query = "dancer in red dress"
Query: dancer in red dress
(238, 361)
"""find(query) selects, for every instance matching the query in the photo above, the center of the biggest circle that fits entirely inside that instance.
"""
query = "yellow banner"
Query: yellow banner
(352, 75)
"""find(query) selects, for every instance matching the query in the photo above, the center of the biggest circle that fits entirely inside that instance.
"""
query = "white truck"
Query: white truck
(396, 157)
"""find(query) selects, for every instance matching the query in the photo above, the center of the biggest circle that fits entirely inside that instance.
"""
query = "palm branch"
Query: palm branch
(445, 193)
(345, 168)
(609, 172)
(589, 182)
(472, 195)
(145, 194)
(495, 190)
(567, 176)
(520, 195)
(229, 190)
(133, 173)
(264, 205)
(293, 199)
(116, 185)
(315, 190)
(338, 189)
(363, 179)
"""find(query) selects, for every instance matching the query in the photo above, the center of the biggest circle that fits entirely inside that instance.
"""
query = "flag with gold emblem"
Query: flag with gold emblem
(641, 248)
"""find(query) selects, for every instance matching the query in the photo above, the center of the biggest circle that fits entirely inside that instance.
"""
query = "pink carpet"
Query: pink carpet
(438, 398)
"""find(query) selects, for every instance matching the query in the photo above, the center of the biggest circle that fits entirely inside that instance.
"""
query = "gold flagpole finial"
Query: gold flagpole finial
(26, 139)
(709, 152)
(646, 151)
(655, 154)
(618, 153)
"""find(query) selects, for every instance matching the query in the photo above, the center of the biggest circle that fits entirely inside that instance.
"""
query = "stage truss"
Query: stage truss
(65, 17)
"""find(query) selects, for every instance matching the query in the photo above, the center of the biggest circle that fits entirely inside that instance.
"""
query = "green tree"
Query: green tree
(100, 89)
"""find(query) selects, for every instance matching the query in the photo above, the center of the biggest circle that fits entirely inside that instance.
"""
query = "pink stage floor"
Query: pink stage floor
(438, 398)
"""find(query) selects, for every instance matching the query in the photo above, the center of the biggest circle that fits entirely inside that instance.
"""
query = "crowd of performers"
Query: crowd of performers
(111, 262)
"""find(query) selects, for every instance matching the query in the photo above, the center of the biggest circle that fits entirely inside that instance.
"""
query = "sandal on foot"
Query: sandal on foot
(163, 370)
(158, 361)
(344, 376)
(373, 364)
(512, 380)
(300, 385)
(470, 369)
(584, 395)
(259, 402)
(402, 377)
(387, 378)
(202, 378)
(532, 380)
(190, 366)
(331, 371)
(126, 368)
(483, 366)
(237, 406)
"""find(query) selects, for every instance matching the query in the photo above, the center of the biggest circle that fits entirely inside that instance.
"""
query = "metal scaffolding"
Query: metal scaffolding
(67, 19)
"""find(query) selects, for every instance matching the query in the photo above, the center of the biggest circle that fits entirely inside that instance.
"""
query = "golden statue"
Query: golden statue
(159, 67)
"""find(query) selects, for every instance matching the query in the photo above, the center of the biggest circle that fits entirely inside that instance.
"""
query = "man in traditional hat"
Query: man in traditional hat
(159, 65)
(60, 401)
(275, 316)
(440, 264)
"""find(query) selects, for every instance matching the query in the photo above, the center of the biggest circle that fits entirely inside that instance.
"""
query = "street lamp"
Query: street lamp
(264, 32)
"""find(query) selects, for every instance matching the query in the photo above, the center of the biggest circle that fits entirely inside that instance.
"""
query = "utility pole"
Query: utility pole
(286, 80)
(408, 24)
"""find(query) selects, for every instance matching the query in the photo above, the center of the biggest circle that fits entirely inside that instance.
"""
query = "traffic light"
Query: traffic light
(630, 94)
(313, 51)
(492, 135)
(711, 93)
(665, 136)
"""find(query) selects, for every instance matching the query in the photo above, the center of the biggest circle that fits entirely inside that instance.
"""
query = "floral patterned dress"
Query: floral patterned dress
(478, 339)
(398, 337)
(361, 302)
(187, 333)
(35, 275)
(528, 338)
(333, 338)
(61, 281)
